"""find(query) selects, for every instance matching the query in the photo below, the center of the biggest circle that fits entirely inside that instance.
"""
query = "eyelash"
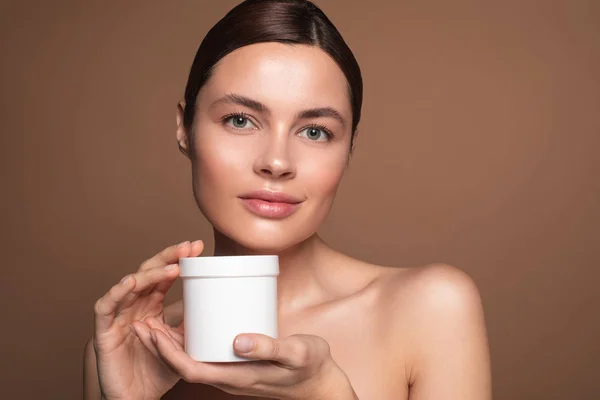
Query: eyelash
(322, 128)
(236, 114)
(242, 114)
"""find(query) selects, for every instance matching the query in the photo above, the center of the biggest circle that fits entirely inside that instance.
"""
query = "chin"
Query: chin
(264, 236)
(261, 239)
(274, 246)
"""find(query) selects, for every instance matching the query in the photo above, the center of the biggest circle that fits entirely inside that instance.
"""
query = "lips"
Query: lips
(268, 204)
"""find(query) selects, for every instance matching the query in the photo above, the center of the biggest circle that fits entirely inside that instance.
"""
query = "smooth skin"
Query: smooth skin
(380, 332)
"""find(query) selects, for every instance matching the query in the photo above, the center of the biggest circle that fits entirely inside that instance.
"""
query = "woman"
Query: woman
(269, 122)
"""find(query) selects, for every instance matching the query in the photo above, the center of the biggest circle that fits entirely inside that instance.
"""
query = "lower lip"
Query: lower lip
(268, 209)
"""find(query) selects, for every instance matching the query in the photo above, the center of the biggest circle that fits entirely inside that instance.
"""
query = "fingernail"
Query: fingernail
(170, 267)
(196, 242)
(183, 243)
(125, 279)
(244, 344)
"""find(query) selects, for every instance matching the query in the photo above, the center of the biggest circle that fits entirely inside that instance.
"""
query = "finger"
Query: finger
(295, 351)
(196, 249)
(142, 331)
(176, 338)
(146, 281)
(164, 286)
(150, 278)
(106, 307)
(172, 254)
(167, 256)
(190, 370)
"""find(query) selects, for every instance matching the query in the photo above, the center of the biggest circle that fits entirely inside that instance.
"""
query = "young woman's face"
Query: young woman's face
(273, 119)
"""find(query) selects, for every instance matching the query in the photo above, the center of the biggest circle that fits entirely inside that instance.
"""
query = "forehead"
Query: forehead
(280, 76)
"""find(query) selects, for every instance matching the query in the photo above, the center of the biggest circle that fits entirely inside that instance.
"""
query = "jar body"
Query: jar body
(217, 309)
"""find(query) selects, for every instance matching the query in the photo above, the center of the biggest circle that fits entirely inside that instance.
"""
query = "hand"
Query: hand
(296, 367)
(126, 368)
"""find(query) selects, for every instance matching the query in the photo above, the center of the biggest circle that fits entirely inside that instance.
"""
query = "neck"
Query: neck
(303, 270)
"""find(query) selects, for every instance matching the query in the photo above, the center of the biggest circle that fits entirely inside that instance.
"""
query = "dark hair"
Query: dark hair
(284, 21)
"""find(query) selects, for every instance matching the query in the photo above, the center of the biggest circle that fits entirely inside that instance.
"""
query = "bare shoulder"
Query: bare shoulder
(438, 287)
(439, 322)
(434, 298)
(423, 293)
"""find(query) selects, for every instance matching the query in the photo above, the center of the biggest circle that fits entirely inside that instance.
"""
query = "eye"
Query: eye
(239, 121)
(316, 133)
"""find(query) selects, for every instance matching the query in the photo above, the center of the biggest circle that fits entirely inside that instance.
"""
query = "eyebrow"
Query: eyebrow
(317, 112)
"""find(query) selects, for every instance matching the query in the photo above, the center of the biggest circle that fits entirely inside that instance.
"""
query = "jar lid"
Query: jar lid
(228, 266)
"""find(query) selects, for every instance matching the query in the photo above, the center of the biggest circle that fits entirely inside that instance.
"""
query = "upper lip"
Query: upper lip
(274, 197)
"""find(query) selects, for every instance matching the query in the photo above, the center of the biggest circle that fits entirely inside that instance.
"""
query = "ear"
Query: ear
(181, 134)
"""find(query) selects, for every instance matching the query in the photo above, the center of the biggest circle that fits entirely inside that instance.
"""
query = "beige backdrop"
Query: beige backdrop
(478, 148)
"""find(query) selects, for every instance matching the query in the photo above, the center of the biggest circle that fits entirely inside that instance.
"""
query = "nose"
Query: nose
(275, 162)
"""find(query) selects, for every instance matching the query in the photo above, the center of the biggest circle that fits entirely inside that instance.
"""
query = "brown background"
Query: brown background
(478, 148)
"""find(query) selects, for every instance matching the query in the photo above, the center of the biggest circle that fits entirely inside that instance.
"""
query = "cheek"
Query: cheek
(219, 161)
(322, 176)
